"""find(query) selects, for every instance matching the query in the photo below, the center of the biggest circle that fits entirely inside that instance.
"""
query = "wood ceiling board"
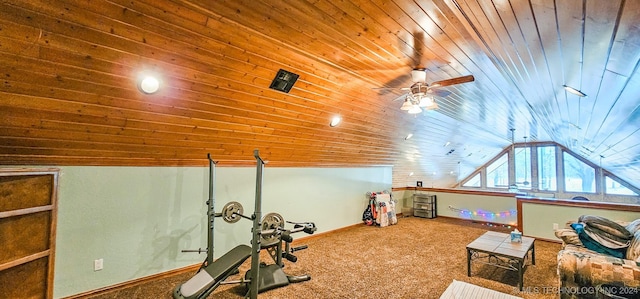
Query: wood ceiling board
(72, 68)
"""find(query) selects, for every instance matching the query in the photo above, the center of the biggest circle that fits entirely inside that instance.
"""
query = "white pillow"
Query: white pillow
(633, 226)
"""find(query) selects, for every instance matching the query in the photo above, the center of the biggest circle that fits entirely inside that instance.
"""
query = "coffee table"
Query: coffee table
(496, 249)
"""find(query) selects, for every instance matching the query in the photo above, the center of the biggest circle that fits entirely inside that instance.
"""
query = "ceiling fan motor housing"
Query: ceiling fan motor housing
(419, 75)
(419, 89)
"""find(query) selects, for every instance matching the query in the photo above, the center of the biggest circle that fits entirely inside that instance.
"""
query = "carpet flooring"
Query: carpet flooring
(417, 258)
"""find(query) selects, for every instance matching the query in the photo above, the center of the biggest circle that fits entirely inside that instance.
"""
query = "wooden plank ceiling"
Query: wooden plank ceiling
(69, 96)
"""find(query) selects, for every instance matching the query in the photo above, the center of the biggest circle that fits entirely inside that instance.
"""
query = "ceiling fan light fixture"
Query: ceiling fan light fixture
(419, 75)
(574, 91)
(406, 106)
(415, 109)
(427, 102)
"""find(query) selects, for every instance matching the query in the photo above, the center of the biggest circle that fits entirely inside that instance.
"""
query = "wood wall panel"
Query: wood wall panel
(28, 210)
(15, 189)
(24, 235)
(33, 278)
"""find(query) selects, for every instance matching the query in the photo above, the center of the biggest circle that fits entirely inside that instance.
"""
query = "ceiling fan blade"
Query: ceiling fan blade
(413, 51)
(402, 97)
(453, 81)
(418, 41)
(439, 92)
(401, 80)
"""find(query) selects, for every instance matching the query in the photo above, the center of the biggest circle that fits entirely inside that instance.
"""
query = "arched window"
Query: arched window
(552, 170)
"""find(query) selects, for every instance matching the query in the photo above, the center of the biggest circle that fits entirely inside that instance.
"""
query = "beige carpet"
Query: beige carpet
(417, 258)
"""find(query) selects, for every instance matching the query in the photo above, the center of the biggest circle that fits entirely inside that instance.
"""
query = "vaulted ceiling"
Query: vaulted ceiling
(70, 69)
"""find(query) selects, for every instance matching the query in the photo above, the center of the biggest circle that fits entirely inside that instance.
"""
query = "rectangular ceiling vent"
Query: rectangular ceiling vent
(284, 81)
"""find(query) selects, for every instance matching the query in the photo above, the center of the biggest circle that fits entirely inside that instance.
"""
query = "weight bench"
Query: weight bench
(209, 278)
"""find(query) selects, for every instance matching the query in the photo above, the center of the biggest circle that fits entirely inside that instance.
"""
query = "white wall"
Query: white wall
(139, 218)
(469, 202)
(537, 219)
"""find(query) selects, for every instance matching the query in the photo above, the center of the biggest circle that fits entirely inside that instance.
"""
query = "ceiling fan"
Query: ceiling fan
(420, 94)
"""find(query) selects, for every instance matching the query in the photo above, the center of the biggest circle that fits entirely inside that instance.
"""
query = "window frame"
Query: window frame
(600, 174)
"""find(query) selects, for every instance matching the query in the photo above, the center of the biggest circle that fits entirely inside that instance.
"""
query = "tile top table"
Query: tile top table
(496, 249)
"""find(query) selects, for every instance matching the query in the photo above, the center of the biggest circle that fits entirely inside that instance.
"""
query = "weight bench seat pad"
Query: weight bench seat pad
(219, 270)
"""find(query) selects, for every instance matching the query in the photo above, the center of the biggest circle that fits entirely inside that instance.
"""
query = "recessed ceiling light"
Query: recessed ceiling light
(408, 136)
(335, 121)
(574, 91)
(149, 84)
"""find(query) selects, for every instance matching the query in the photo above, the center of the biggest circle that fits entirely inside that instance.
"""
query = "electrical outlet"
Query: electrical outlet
(555, 226)
(98, 264)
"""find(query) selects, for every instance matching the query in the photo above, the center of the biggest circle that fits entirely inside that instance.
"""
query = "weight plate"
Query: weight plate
(271, 221)
(231, 212)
